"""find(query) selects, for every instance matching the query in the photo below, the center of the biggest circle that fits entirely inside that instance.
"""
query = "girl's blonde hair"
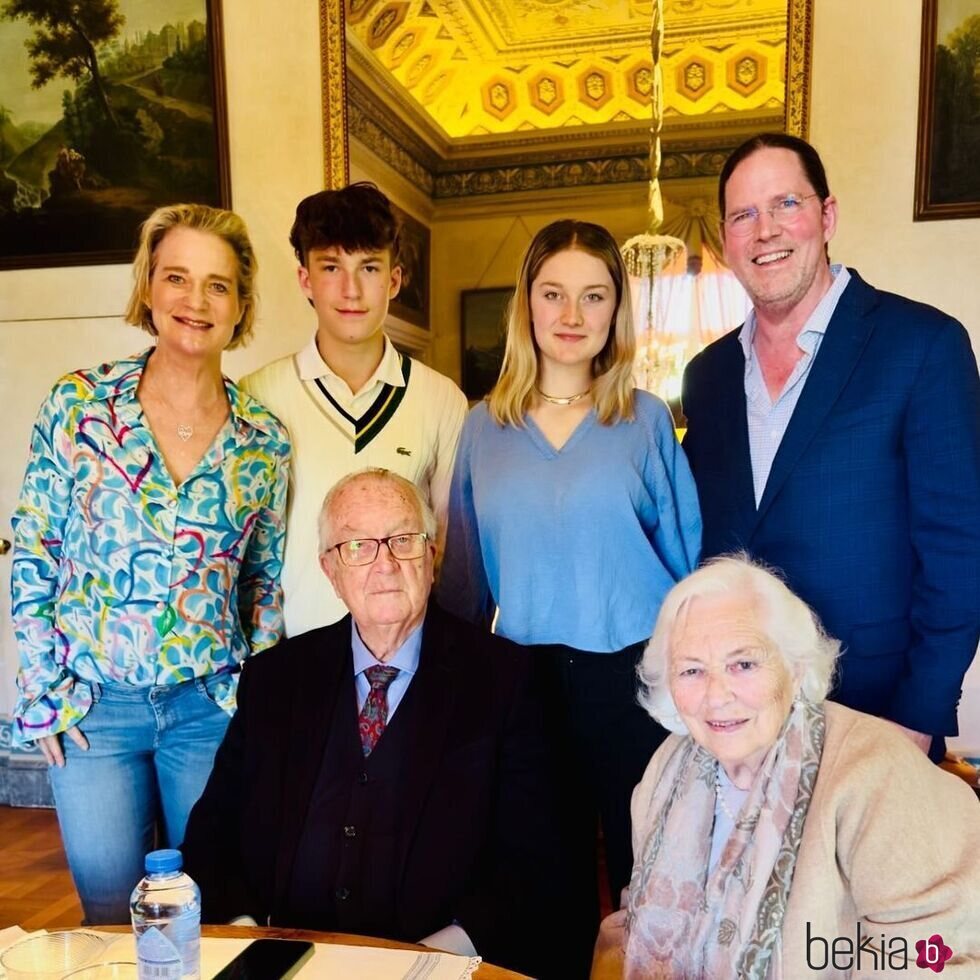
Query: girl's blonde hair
(228, 226)
(612, 367)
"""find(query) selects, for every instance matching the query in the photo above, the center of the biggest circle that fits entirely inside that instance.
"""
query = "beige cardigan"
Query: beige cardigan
(890, 842)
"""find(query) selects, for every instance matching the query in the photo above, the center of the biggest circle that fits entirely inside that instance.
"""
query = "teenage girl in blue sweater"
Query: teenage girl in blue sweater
(572, 512)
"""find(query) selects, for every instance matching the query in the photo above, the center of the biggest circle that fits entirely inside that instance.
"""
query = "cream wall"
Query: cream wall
(474, 249)
(863, 121)
(55, 320)
(865, 80)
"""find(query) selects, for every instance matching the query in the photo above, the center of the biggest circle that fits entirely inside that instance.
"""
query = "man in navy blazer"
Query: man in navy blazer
(437, 830)
(836, 436)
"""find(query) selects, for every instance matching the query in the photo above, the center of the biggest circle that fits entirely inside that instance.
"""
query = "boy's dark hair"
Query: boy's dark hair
(356, 218)
(808, 157)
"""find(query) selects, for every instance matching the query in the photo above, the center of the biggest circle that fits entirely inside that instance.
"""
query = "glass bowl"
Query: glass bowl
(51, 955)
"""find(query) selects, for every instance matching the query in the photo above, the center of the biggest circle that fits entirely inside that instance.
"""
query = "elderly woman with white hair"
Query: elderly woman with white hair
(775, 834)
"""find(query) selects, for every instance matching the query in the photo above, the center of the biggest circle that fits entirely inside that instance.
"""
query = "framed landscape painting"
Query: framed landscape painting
(108, 109)
(947, 176)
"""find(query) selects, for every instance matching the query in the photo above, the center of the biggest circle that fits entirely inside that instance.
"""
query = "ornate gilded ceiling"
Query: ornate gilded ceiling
(484, 68)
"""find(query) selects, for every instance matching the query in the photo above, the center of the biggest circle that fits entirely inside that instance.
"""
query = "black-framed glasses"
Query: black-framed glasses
(363, 551)
(783, 212)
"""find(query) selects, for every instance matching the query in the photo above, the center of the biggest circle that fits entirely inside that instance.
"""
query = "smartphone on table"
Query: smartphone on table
(268, 959)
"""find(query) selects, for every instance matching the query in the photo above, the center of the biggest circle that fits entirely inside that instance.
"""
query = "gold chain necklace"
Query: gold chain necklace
(569, 400)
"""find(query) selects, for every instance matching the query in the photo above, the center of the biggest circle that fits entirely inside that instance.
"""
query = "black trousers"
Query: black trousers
(601, 741)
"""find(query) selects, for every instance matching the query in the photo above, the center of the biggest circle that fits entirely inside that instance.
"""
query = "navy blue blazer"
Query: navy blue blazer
(872, 507)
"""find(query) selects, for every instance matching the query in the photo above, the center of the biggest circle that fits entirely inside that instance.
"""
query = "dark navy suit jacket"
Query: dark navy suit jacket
(474, 821)
(872, 507)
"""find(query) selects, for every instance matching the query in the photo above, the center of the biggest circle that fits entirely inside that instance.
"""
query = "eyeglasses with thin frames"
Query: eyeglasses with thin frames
(363, 551)
(783, 212)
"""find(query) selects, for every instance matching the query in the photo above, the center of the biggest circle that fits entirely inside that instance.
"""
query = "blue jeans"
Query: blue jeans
(150, 754)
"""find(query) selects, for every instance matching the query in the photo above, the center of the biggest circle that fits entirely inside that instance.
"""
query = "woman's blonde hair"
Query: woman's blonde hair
(612, 367)
(228, 226)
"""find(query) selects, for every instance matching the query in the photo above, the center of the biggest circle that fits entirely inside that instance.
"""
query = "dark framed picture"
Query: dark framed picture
(483, 323)
(947, 177)
(108, 109)
(412, 301)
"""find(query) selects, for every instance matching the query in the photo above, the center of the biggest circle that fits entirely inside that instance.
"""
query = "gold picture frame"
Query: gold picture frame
(799, 44)
(947, 181)
(333, 73)
(92, 142)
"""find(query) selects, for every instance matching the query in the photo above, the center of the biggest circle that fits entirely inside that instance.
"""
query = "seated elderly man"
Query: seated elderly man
(384, 775)
(778, 835)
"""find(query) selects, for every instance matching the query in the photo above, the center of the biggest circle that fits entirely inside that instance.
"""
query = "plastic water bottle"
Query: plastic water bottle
(166, 912)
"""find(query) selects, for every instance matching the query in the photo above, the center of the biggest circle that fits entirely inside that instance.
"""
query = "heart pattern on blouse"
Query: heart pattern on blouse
(119, 437)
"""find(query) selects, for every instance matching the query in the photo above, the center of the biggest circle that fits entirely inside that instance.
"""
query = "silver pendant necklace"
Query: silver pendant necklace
(185, 430)
(569, 400)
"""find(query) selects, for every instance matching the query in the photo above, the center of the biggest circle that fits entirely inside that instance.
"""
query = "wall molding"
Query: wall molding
(398, 134)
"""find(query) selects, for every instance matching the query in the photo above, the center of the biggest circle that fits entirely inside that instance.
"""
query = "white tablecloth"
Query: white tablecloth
(329, 962)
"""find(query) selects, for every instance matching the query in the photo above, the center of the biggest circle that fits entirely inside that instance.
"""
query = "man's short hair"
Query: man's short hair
(808, 156)
(356, 218)
(380, 475)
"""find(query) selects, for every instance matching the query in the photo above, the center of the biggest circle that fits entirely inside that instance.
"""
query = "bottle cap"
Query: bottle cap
(160, 862)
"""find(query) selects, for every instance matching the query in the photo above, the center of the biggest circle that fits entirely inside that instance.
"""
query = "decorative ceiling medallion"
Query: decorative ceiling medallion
(639, 83)
(406, 44)
(595, 87)
(385, 23)
(746, 72)
(437, 85)
(694, 77)
(499, 97)
(546, 92)
(417, 70)
(357, 10)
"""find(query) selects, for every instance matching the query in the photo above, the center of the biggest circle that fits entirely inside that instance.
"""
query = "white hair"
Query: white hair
(808, 653)
(375, 473)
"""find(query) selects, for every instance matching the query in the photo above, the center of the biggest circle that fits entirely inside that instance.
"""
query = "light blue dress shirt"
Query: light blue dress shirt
(406, 659)
(768, 419)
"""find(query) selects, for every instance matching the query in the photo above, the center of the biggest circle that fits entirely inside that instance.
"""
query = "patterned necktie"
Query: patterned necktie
(374, 715)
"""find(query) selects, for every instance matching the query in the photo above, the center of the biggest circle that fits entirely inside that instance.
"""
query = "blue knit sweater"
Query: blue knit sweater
(575, 546)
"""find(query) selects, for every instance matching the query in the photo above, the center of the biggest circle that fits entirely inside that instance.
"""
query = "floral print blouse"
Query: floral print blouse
(121, 576)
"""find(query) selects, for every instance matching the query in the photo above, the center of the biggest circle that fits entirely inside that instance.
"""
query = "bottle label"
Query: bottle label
(160, 959)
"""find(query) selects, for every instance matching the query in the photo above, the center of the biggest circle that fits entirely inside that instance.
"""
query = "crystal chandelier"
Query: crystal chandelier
(647, 255)
(660, 357)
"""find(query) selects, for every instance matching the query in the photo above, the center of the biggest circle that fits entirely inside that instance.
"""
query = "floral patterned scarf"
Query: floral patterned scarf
(687, 924)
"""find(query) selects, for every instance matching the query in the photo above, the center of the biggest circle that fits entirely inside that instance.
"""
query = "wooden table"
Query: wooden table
(485, 972)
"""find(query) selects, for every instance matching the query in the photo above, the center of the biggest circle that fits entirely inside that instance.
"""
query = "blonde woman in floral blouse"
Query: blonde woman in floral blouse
(149, 540)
